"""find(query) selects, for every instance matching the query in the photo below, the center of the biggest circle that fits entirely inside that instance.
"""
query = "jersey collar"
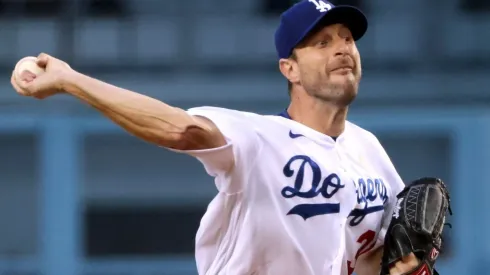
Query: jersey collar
(286, 115)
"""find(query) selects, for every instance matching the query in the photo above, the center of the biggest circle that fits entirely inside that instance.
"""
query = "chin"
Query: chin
(347, 98)
(340, 97)
(342, 92)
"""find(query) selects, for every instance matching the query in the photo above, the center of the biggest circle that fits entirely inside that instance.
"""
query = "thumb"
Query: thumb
(42, 60)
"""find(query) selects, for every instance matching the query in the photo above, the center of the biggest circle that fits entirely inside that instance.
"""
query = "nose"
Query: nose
(342, 48)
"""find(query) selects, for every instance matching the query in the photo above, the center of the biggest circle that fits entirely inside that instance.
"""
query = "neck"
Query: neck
(324, 117)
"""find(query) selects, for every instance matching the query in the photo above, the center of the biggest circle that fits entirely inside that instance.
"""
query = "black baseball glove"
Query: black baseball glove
(416, 226)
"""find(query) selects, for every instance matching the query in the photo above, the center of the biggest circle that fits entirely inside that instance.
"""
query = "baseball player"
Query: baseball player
(305, 192)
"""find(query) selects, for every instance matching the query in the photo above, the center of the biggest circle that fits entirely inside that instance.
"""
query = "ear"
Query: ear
(289, 68)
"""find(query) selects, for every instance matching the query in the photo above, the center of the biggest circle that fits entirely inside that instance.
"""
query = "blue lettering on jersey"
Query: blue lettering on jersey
(371, 197)
(326, 188)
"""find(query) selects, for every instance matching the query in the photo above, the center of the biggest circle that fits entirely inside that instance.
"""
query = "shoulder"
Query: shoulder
(241, 128)
(224, 112)
(364, 134)
(239, 120)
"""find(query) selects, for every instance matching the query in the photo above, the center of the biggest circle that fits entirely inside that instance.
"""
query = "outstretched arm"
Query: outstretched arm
(145, 117)
(215, 136)
(142, 116)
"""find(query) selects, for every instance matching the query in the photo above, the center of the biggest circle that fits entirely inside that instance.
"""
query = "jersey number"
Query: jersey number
(367, 241)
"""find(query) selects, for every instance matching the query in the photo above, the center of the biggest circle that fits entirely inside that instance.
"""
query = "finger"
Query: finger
(27, 76)
(42, 60)
(27, 84)
(406, 264)
(395, 271)
(411, 259)
(23, 85)
(16, 86)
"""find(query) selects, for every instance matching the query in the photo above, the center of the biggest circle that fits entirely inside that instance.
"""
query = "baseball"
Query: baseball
(28, 64)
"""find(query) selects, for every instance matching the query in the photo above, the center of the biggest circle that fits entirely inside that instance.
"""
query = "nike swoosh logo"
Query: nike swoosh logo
(293, 135)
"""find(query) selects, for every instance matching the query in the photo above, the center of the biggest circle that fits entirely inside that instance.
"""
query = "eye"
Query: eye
(322, 43)
(346, 34)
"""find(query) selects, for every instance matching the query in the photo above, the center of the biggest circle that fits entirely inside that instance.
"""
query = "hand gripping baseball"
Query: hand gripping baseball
(417, 225)
(40, 76)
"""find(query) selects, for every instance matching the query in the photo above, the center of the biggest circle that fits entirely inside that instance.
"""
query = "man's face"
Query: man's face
(328, 64)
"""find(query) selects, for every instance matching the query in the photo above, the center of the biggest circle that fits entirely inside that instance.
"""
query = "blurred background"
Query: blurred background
(78, 196)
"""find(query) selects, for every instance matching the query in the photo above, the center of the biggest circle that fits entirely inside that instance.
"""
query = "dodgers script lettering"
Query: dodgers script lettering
(371, 197)
(326, 188)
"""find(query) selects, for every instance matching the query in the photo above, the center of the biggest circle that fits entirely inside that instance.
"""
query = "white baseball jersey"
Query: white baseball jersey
(295, 201)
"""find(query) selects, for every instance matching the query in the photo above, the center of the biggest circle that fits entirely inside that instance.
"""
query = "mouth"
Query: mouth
(343, 70)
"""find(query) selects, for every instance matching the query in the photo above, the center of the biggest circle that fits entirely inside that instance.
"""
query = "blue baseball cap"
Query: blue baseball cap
(300, 19)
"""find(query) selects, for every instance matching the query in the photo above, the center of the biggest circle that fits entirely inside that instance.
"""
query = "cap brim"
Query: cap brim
(351, 17)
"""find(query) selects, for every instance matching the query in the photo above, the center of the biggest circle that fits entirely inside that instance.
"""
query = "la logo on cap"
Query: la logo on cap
(320, 5)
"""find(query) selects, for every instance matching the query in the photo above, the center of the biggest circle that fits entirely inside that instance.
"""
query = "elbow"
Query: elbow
(190, 137)
(183, 132)
(199, 136)
(165, 138)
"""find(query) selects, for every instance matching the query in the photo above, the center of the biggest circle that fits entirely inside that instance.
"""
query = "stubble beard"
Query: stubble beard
(340, 94)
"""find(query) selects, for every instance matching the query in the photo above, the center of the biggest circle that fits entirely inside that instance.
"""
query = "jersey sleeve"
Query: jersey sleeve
(230, 163)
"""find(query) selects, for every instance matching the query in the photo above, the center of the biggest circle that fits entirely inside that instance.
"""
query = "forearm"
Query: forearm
(142, 116)
(370, 264)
